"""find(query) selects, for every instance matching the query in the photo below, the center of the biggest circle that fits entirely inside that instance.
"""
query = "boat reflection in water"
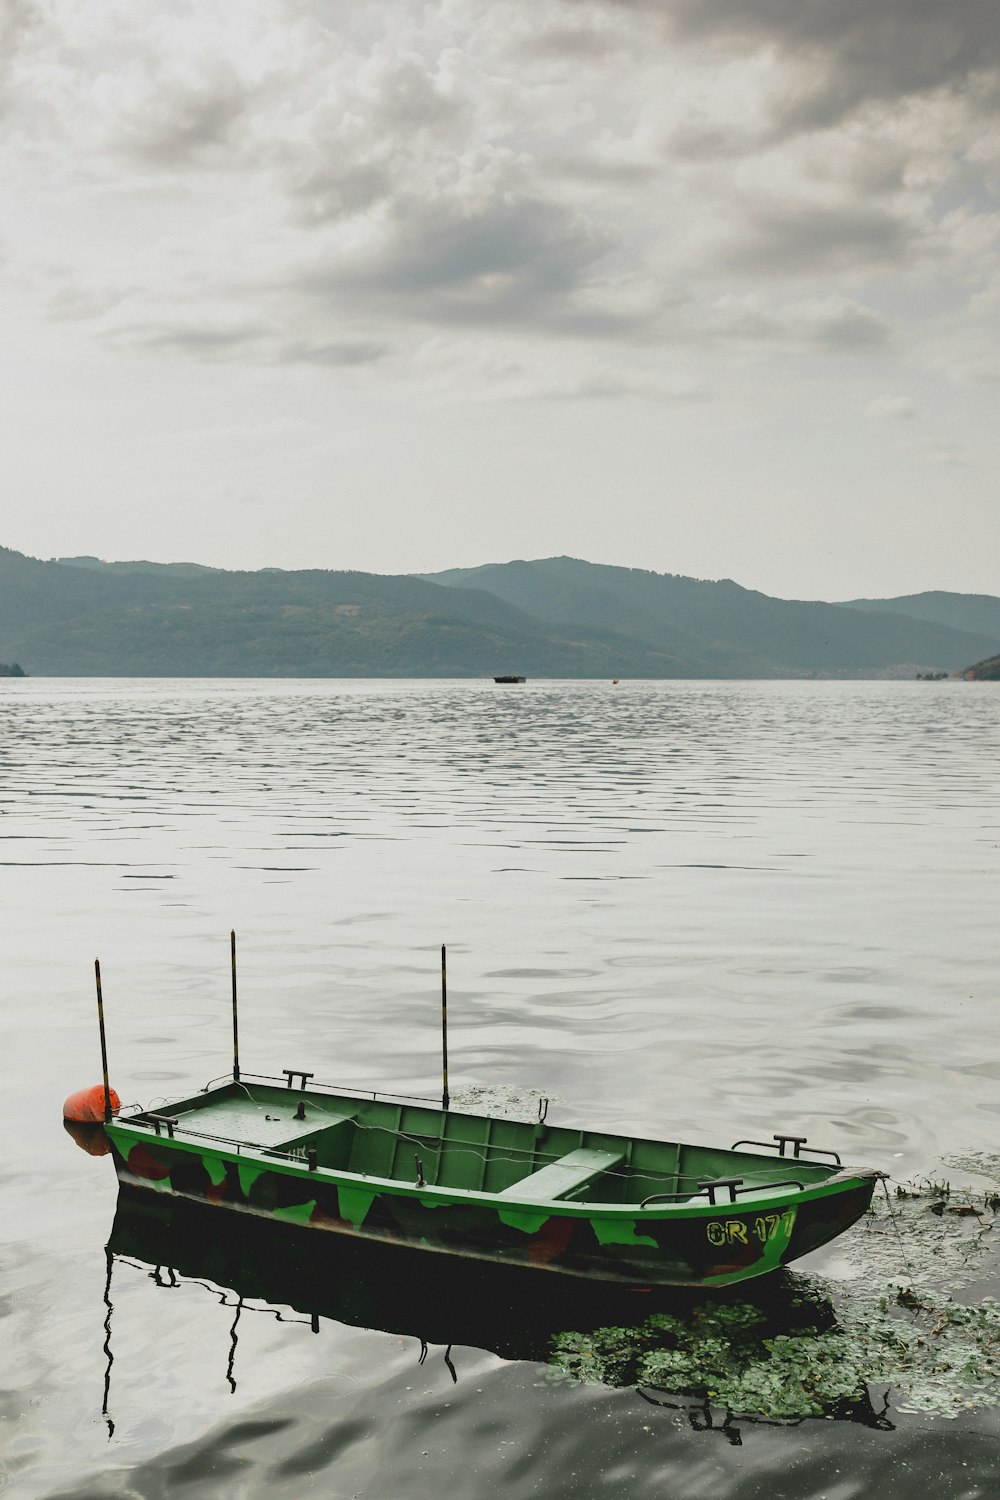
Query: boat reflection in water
(436, 1300)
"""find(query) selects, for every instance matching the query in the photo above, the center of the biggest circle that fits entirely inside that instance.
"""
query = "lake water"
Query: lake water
(710, 909)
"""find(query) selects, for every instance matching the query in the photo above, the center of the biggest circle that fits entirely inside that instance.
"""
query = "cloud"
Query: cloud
(124, 83)
(610, 385)
(172, 122)
(829, 324)
(500, 249)
(27, 35)
(968, 359)
(897, 408)
(304, 184)
(249, 342)
(599, 385)
(841, 55)
(482, 258)
(837, 323)
(372, 131)
(570, 44)
(482, 369)
(337, 189)
(780, 238)
(616, 174)
(334, 355)
(71, 301)
(196, 341)
(409, 97)
(20, 21)
(945, 454)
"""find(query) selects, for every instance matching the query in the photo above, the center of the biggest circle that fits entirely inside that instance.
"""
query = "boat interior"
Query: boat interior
(417, 1142)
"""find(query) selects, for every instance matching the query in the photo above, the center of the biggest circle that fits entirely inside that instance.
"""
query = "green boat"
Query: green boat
(585, 1203)
(413, 1172)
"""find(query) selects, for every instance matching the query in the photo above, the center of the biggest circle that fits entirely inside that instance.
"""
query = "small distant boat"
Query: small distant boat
(510, 679)
(584, 1202)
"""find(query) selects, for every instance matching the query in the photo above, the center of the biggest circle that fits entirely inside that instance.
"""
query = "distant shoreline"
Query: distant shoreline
(556, 618)
(456, 677)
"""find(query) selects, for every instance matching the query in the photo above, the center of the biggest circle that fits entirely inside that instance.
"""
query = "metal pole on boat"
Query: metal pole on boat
(236, 1025)
(104, 1044)
(445, 1100)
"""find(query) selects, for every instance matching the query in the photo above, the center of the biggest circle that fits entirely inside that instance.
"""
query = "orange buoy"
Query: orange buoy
(86, 1106)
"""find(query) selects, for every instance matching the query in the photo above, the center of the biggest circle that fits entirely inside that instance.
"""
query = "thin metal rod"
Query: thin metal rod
(236, 1024)
(104, 1043)
(445, 1099)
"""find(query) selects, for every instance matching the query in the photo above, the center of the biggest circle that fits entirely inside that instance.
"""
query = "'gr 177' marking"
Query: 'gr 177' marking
(736, 1232)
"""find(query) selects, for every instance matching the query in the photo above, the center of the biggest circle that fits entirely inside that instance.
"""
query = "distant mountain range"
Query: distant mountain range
(977, 613)
(556, 617)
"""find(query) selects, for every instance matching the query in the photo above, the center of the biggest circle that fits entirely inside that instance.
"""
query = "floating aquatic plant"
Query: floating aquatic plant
(817, 1351)
(723, 1353)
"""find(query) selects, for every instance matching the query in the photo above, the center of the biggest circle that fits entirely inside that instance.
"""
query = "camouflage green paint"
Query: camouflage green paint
(300, 1214)
(215, 1167)
(354, 1204)
(697, 1246)
(248, 1172)
(619, 1232)
(527, 1220)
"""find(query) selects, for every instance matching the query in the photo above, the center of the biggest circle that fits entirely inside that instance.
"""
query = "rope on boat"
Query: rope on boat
(526, 1158)
(521, 1156)
(894, 1220)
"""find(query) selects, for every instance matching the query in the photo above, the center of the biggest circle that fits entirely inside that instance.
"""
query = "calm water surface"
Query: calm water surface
(710, 909)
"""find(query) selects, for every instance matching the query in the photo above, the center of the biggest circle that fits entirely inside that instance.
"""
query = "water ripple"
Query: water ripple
(625, 955)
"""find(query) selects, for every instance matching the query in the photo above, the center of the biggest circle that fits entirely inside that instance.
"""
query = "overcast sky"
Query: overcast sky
(704, 286)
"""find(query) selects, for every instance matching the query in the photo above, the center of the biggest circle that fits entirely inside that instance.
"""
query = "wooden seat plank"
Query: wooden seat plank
(559, 1178)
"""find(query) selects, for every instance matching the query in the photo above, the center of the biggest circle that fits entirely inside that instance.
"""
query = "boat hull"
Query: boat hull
(698, 1246)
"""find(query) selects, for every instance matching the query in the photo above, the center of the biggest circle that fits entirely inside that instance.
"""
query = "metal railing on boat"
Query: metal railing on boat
(328, 1088)
(734, 1184)
(333, 1088)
